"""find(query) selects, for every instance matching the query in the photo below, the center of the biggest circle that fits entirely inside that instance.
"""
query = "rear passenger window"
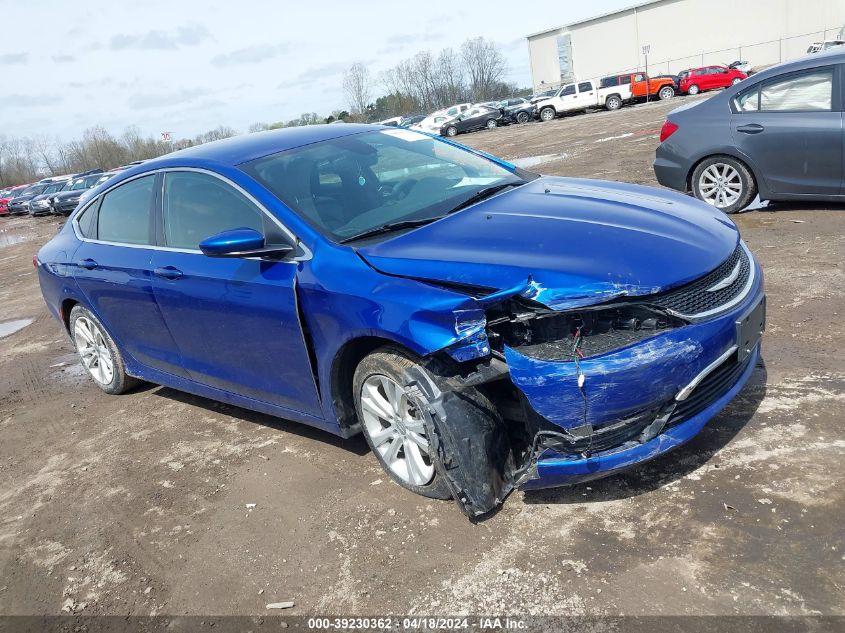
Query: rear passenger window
(197, 206)
(805, 91)
(626, 80)
(585, 86)
(124, 215)
(748, 101)
(609, 82)
(87, 222)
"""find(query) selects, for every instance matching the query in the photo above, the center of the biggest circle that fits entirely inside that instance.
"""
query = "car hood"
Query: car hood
(565, 243)
(42, 196)
(22, 198)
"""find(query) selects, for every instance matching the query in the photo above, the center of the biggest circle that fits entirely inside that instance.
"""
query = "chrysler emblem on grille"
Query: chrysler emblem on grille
(727, 281)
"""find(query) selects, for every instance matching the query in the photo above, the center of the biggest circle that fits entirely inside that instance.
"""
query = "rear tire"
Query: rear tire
(99, 353)
(380, 399)
(547, 114)
(613, 103)
(491, 124)
(725, 183)
(693, 90)
(666, 92)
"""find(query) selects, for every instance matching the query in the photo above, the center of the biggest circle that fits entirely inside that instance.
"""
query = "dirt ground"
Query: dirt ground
(143, 503)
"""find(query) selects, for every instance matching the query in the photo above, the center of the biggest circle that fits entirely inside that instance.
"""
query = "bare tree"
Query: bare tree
(485, 66)
(357, 88)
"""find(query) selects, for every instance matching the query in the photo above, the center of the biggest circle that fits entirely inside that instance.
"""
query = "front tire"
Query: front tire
(98, 352)
(491, 124)
(693, 90)
(393, 426)
(547, 114)
(724, 183)
(451, 131)
(666, 92)
(735, 81)
(522, 117)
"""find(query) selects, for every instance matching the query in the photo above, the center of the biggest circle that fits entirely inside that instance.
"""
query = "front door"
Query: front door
(112, 268)
(586, 94)
(791, 127)
(235, 321)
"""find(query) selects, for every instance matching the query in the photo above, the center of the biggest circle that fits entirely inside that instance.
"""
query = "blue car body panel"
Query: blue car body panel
(267, 335)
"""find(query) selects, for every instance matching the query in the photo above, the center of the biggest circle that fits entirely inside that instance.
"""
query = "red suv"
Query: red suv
(709, 78)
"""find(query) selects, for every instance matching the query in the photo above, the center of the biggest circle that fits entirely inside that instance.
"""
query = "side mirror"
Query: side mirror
(242, 243)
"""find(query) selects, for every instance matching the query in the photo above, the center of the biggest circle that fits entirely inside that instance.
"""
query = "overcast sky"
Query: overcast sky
(189, 65)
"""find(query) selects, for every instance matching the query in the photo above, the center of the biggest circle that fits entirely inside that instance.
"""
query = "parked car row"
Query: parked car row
(57, 195)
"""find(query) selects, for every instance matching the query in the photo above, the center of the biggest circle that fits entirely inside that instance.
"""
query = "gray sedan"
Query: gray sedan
(779, 134)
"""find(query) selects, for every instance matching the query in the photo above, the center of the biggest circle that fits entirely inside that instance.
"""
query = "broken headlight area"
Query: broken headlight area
(547, 335)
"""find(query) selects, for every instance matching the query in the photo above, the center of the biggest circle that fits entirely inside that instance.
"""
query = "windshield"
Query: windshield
(84, 183)
(53, 188)
(351, 185)
(34, 190)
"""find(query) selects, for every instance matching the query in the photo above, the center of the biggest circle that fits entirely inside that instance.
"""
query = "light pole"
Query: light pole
(646, 51)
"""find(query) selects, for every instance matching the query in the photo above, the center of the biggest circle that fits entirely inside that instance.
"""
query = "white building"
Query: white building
(681, 34)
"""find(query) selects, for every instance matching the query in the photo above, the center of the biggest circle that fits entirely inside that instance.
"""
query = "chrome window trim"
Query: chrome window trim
(752, 275)
(306, 252)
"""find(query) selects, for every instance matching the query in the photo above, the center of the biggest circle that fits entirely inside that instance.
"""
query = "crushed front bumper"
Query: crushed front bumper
(552, 469)
(637, 403)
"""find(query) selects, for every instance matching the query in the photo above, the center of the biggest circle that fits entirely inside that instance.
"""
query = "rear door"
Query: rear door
(791, 127)
(112, 268)
(235, 320)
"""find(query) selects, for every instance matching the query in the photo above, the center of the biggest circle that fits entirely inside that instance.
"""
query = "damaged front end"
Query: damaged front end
(580, 390)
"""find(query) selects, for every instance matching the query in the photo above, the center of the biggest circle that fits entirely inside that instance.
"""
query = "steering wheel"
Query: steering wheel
(401, 189)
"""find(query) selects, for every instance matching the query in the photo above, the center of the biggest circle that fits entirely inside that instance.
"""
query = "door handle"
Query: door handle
(751, 128)
(87, 264)
(168, 272)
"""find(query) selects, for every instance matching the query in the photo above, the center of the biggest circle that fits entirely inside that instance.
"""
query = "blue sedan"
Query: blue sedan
(484, 327)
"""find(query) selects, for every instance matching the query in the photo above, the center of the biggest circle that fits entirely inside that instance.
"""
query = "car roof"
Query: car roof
(240, 149)
(832, 56)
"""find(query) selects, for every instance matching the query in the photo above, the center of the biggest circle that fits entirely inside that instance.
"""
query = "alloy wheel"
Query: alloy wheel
(666, 93)
(491, 124)
(720, 185)
(547, 114)
(396, 430)
(94, 351)
(693, 90)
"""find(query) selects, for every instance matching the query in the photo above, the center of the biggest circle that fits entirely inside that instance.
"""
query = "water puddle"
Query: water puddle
(10, 327)
(531, 161)
(8, 238)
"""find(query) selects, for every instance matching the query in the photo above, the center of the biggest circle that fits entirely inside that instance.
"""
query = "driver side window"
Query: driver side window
(196, 206)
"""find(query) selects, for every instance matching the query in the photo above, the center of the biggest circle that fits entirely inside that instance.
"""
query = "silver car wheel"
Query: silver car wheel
(720, 185)
(693, 90)
(396, 430)
(547, 114)
(94, 351)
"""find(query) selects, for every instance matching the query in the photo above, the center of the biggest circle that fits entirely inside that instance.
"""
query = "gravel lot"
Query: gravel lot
(141, 503)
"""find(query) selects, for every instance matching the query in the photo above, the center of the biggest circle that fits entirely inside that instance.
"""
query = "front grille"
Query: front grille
(693, 300)
(714, 386)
